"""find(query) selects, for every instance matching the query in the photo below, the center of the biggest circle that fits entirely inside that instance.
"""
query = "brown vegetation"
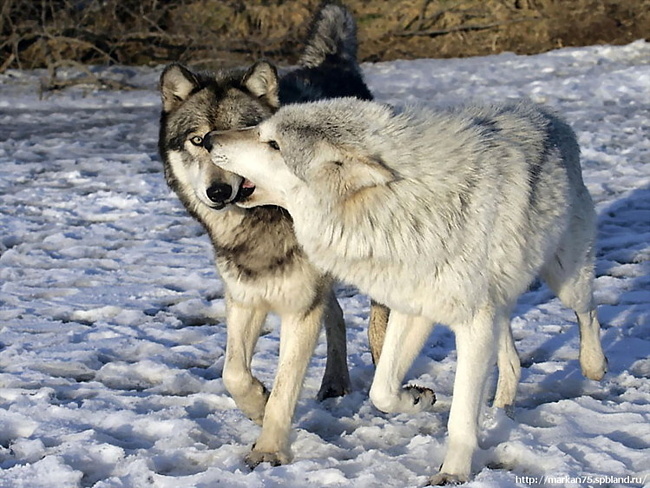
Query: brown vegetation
(211, 33)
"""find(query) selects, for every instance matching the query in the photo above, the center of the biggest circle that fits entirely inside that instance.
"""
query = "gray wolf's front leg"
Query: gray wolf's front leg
(243, 325)
(298, 335)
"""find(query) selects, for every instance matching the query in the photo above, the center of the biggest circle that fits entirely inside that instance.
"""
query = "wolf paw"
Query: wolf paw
(446, 479)
(254, 403)
(255, 458)
(593, 367)
(333, 390)
(409, 399)
(423, 398)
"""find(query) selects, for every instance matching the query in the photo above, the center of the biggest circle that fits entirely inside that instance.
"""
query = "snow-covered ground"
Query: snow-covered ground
(111, 313)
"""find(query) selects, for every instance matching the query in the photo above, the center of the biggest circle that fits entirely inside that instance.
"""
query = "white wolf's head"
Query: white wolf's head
(328, 150)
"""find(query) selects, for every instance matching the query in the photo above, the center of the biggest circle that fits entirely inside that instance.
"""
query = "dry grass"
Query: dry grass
(457, 28)
(211, 33)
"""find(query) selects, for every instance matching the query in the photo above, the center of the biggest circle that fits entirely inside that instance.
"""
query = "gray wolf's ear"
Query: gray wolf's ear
(367, 171)
(262, 81)
(176, 84)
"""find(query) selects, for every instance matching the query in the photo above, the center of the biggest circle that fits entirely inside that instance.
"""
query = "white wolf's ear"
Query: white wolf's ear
(176, 84)
(364, 172)
(262, 81)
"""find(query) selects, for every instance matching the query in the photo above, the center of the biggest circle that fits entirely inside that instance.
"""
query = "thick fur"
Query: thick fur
(444, 216)
(257, 255)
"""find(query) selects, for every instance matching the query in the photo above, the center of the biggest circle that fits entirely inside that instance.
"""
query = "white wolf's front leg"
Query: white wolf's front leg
(405, 336)
(243, 326)
(298, 336)
(476, 346)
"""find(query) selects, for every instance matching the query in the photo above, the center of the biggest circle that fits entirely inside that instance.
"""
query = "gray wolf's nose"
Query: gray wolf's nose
(219, 192)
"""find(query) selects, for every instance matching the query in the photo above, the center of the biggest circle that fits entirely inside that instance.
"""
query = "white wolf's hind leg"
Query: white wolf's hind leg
(405, 336)
(570, 275)
(508, 363)
(243, 330)
(336, 380)
(298, 335)
(592, 358)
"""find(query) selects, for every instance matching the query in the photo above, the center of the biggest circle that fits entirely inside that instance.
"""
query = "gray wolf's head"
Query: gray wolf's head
(194, 104)
(330, 150)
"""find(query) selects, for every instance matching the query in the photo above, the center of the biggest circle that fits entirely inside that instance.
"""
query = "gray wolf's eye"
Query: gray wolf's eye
(273, 145)
(197, 140)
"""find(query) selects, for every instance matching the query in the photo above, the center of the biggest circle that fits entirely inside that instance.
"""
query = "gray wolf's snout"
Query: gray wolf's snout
(219, 193)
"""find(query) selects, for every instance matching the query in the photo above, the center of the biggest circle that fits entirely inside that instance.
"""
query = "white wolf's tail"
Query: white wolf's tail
(333, 33)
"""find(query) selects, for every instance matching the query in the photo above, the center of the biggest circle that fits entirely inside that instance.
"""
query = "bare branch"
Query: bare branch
(464, 28)
(7, 62)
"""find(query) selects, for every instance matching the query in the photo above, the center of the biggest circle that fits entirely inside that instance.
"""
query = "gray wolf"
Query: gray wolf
(257, 255)
(445, 217)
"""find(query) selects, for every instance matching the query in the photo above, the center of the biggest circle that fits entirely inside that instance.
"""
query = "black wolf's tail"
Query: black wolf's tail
(333, 34)
(328, 67)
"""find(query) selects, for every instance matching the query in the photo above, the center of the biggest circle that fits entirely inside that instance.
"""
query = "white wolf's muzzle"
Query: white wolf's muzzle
(259, 163)
(221, 144)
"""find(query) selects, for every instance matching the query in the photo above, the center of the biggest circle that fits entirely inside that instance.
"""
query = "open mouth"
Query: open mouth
(245, 190)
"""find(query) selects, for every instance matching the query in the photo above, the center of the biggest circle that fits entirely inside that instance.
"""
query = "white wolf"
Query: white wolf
(444, 216)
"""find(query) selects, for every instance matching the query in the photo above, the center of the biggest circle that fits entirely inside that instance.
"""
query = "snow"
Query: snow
(112, 315)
